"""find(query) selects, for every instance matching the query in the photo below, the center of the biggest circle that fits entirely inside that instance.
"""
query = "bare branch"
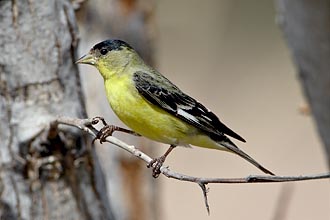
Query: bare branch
(205, 191)
(86, 125)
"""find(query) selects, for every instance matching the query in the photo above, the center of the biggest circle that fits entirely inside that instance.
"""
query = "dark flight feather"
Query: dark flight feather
(161, 92)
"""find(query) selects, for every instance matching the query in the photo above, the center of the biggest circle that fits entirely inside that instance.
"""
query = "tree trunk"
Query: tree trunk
(45, 173)
(306, 25)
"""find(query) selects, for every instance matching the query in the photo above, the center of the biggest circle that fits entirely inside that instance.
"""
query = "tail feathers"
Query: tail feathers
(233, 148)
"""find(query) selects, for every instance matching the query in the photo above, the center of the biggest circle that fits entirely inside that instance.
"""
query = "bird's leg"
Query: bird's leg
(108, 130)
(159, 162)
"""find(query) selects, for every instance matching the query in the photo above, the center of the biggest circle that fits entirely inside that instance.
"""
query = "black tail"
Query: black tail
(233, 148)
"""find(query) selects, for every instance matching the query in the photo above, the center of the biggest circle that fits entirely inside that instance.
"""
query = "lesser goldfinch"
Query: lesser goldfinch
(152, 106)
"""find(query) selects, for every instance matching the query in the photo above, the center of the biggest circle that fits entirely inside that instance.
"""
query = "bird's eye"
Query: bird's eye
(103, 51)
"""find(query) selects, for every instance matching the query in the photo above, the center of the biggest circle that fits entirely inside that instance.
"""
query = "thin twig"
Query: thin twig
(205, 191)
(86, 125)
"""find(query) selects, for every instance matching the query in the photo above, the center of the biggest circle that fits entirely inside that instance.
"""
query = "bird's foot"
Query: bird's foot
(105, 132)
(108, 130)
(156, 164)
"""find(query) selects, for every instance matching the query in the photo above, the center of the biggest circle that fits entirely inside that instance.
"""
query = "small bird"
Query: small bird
(152, 106)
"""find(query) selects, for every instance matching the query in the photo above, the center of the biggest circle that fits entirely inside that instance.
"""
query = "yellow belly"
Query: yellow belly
(143, 117)
(149, 120)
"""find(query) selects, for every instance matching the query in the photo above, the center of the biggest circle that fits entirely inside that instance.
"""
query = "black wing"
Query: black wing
(161, 92)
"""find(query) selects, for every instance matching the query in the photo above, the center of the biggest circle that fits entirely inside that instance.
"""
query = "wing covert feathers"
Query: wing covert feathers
(161, 92)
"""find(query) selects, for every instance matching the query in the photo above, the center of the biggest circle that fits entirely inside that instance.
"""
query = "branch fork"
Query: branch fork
(86, 125)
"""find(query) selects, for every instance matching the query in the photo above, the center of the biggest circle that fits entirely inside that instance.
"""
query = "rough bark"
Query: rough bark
(306, 26)
(45, 173)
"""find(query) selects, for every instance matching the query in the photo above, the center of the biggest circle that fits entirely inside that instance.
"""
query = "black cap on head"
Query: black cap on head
(112, 44)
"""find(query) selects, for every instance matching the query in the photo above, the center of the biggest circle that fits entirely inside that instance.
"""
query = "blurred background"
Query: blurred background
(231, 56)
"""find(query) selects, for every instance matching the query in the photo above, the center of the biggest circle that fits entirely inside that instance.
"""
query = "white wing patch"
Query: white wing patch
(205, 114)
(207, 118)
(187, 115)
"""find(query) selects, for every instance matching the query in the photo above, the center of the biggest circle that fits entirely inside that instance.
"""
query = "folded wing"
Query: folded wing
(159, 91)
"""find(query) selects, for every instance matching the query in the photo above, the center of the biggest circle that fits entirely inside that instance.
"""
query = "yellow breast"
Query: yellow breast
(142, 116)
